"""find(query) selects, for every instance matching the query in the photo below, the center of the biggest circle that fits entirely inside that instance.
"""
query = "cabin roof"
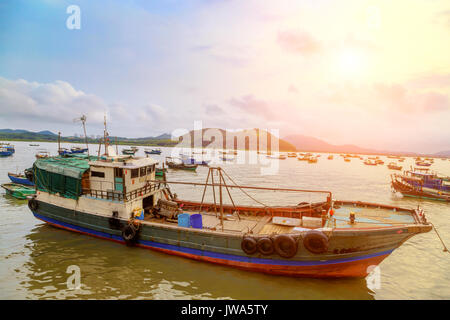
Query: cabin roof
(123, 162)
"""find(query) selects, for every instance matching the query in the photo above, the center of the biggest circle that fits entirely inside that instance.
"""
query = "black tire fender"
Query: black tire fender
(130, 233)
(248, 245)
(265, 246)
(316, 242)
(285, 246)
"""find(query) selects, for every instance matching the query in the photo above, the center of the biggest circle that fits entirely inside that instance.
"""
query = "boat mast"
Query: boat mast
(105, 136)
(59, 142)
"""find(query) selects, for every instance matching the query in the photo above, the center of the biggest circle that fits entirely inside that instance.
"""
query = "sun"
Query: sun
(351, 62)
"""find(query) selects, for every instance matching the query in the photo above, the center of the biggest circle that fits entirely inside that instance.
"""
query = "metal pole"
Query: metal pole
(220, 195)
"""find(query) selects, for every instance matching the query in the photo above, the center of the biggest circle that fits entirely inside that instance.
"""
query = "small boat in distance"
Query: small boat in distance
(129, 152)
(330, 157)
(292, 155)
(42, 154)
(423, 163)
(394, 166)
(33, 145)
(173, 164)
(153, 151)
(5, 153)
(370, 163)
(312, 160)
(78, 150)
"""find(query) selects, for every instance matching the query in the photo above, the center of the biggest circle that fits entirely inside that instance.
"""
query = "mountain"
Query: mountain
(443, 154)
(306, 143)
(252, 139)
(48, 133)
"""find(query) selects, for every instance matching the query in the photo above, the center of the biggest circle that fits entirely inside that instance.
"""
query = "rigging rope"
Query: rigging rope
(443, 244)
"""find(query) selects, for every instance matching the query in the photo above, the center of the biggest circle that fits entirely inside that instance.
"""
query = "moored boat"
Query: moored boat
(328, 238)
(172, 163)
(130, 151)
(5, 153)
(23, 179)
(394, 166)
(407, 188)
(153, 151)
(18, 191)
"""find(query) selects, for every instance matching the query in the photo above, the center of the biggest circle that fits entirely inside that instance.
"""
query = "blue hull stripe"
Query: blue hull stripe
(211, 254)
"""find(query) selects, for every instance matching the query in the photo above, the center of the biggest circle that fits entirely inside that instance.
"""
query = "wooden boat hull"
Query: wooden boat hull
(18, 191)
(347, 256)
(20, 179)
(410, 191)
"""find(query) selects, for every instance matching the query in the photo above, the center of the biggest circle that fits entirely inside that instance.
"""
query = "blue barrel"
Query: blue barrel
(183, 220)
(196, 221)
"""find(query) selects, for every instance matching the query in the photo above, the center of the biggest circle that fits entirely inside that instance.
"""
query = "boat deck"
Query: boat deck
(365, 217)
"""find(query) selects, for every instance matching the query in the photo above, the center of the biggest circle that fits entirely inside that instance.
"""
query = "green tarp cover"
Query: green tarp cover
(68, 166)
(61, 175)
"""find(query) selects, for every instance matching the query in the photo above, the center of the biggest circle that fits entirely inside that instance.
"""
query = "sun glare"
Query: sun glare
(351, 62)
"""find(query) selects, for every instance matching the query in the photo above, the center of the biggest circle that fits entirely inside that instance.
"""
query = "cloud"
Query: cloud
(48, 102)
(298, 42)
(253, 106)
(389, 98)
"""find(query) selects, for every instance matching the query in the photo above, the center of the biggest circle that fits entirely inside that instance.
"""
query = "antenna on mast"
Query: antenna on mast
(83, 121)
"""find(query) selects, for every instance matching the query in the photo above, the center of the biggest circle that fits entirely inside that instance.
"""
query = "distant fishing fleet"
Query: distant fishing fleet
(128, 199)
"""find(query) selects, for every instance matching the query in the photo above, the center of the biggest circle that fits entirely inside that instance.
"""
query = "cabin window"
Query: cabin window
(149, 169)
(118, 172)
(97, 174)
(142, 174)
(134, 173)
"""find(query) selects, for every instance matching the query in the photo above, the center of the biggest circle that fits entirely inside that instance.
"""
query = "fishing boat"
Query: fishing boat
(407, 188)
(303, 158)
(23, 179)
(159, 172)
(186, 159)
(42, 154)
(394, 166)
(33, 145)
(173, 164)
(330, 157)
(370, 163)
(130, 151)
(423, 177)
(347, 159)
(312, 160)
(9, 147)
(379, 161)
(64, 151)
(278, 157)
(292, 155)
(78, 150)
(5, 153)
(153, 151)
(329, 238)
(423, 163)
(18, 191)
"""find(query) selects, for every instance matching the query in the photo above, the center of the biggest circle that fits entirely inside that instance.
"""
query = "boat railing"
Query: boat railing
(115, 195)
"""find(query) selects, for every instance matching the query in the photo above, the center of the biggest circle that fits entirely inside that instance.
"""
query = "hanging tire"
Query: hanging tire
(248, 245)
(285, 246)
(33, 204)
(265, 246)
(129, 234)
(316, 242)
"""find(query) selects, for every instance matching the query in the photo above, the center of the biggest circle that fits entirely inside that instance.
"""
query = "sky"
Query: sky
(371, 73)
